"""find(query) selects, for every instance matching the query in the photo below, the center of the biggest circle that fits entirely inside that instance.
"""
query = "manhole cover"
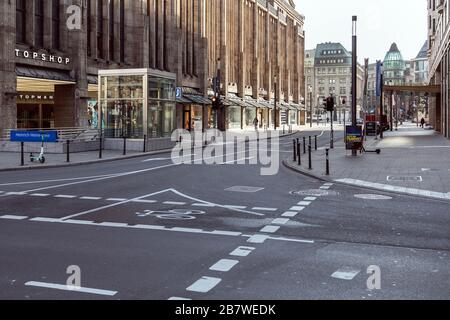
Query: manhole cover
(314, 193)
(372, 197)
(244, 189)
(405, 178)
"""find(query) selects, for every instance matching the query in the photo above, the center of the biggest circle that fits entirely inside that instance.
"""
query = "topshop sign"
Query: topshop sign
(42, 57)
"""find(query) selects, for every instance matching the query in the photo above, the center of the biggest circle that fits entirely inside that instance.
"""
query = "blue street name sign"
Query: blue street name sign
(178, 93)
(34, 136)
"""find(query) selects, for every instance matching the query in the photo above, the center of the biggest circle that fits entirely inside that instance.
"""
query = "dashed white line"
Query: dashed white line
(13, 217)
(174, 203)
(40, 219)
(346, 273)
(226, 233)
(280, 221)
(310, 198)
(42, 195)
(236, 207)
(206, 205)
(304, 203)
(142, 201)
(224, 265)
(15, 193)
(270, 229)
(242, 251)
(258, 238)
(290, 214)
(90, 198)
(179, 299)
(328, 184)
(264, 209)
(114, 224)
(116, 199)
(70, 288)
(325, 188)
(297, 208)
(64, 196)
(82, 222)
(204, 285)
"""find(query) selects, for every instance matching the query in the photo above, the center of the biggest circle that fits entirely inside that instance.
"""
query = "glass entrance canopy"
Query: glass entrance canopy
(137, 102)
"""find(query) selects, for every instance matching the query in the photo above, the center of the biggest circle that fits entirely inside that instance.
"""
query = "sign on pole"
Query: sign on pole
(34, 136)
(354, 137)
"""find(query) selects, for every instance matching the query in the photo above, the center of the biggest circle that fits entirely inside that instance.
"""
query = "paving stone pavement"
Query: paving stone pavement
(417, 160)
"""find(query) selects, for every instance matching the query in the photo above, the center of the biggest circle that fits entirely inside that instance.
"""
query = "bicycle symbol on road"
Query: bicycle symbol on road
(175, 214)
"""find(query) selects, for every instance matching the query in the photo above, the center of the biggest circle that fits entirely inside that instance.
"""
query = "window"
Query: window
(122, 30)
(39, 23)
(55, 24)
(343, 90)
(111, 31)
(100, 51)
(89, 28)
(20, 21)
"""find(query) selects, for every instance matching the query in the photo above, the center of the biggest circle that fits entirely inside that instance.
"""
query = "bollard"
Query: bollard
(295, 151)
(315, 143)
(22, 154)
(68, 151)
(100, 150)
(310, 141)
(124, 146)
(328, 162)
(145, 143)
(304, 145)
(299, 154)
(310, 159)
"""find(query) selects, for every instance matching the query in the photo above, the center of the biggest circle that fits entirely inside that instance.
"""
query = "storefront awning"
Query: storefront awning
(37, 73)
(237, 101)
(92, 79)
(198, 99)
(183, 100)
(251, 102)
(265, 104)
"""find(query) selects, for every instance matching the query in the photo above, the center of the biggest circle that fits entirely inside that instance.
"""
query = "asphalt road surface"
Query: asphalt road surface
(147, 228)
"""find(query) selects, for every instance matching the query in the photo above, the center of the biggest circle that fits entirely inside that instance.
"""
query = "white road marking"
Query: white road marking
(175, 203)
(224, 265)
(114, 224)
(291, 240)
(204, 285)
(13, 217)
(40, 219)
(148, 227)
(70, 288)
(179, 299)
(280, 221)
(304, 203)
(325, 188)
(15, 193)
(142, 201)
(258, 238)
(290, 214)
(242, 251)
(270, 229)
(64, 196)
(385, 187)
(328, 184)
(206, 205)
(236, 207)
(265, 209)
(345, 273)
(55, 180)
(188, 230)
(225, 233)
(297, 208)
(372, 197)
(42, 195)
(91, 198)
(310, 198)
(82, 222)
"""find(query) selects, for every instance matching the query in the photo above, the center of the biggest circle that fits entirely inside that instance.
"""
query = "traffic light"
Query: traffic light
(330, 104)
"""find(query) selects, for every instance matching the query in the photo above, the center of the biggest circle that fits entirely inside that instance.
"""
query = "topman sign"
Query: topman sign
(41, 57)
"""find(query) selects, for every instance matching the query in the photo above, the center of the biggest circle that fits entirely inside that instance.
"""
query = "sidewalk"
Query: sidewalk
(412, 161)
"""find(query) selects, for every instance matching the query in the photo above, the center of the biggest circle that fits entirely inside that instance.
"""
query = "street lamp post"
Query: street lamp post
(354, 74)
(310, 106)
(276, 98)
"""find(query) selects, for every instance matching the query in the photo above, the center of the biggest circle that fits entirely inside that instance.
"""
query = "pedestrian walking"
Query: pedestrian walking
(256, 123)
(422, 123)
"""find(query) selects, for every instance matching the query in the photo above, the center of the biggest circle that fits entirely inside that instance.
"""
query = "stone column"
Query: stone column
(241, 79)
(255, 81)
(8, 110)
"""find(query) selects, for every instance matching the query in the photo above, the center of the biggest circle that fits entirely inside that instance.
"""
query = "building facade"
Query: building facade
(439, 65)
(420, 65)
(49, 70)
(310, 83)
(333, 75)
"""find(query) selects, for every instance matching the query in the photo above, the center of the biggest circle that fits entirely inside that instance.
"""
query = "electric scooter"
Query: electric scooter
(40, 157)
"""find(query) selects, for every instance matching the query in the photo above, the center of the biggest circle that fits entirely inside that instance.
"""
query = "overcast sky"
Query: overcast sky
(380, 22)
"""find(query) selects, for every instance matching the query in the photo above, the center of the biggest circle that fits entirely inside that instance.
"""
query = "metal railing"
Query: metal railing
(76, 134)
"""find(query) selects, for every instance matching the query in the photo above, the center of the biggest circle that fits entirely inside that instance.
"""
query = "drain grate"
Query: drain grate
(244, 189)
(405, 178)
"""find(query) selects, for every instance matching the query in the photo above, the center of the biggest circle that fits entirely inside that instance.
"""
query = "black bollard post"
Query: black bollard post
(295, 151)
(145, 143)
(22, 154)
(100, 150)
(328, 163)
(124, 146)
(68, 151)
(299, 154)
(304, 145)
(310, 141)
(310, 159)
(315, 142)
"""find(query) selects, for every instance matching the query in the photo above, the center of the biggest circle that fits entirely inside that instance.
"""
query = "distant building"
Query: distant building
(394, 67)
(420, 65)
(310, 86)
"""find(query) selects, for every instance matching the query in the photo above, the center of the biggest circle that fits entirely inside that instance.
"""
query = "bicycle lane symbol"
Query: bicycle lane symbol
(175, 214)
